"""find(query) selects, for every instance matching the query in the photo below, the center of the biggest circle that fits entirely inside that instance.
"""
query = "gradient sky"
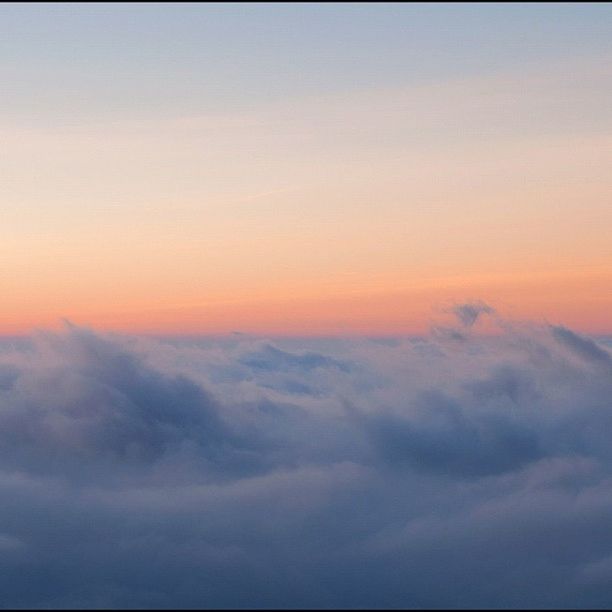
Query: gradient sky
(304, 168)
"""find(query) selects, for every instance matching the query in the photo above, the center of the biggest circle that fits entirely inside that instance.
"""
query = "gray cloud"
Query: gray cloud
(470, 312)
(583, 347)
(348, 473)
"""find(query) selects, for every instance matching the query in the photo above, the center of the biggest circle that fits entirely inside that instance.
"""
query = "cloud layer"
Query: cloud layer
(454, 471)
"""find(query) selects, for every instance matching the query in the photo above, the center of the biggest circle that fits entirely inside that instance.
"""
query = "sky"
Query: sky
(304, 169)
(305, 306)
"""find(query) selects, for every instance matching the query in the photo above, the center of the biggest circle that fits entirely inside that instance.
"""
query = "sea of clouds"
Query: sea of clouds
(457, 470)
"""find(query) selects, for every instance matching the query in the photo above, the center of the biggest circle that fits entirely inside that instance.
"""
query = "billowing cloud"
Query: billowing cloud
(307, 473)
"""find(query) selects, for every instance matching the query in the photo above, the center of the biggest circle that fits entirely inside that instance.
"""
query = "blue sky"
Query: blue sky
(73, 60)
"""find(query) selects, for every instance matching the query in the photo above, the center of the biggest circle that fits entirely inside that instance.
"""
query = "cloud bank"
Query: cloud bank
(459, 470)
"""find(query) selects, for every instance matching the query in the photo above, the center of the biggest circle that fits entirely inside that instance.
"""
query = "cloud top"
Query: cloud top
(345, 473)
(469, 313)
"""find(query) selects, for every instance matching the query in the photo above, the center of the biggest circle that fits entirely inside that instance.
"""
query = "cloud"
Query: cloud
(445, 437)
(272, 358)
(307, 473)
(583, 347)
(470, 312)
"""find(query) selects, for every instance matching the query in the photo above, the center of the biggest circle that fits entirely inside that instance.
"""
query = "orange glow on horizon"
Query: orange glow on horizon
(579, 299)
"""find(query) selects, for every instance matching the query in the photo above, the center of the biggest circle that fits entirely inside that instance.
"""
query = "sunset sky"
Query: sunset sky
(304, 169)
(305, 306)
